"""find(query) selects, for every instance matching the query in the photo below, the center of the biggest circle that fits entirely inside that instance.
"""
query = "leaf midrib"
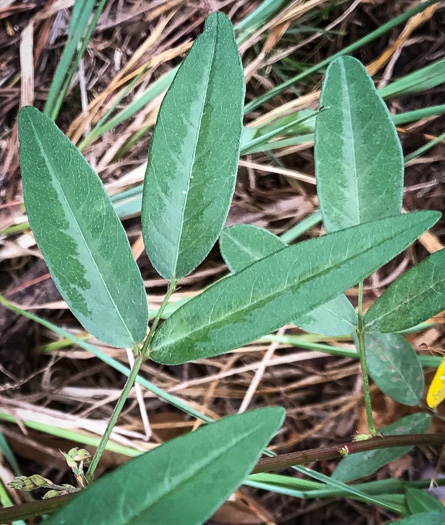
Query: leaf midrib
(198, 130)
(349, 123)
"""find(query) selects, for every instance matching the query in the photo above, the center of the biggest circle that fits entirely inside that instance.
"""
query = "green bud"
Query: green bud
(52, 494)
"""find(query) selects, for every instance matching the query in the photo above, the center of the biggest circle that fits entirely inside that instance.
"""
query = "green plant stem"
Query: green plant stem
(105, 358)
(146, 346)
(117, 410)
(364, 366)
(279, 462)
(129, 384)
(35, 508)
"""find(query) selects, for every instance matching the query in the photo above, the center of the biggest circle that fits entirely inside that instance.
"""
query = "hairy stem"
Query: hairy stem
(283, 461)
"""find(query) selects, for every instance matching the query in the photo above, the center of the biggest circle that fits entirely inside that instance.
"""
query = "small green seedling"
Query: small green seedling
(188, 189)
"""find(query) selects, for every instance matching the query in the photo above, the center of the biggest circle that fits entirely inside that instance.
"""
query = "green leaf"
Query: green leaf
(424, 518)
(336, 317)
(395, 368)
(414, 297)
(194, 154)
(242, 245)
(281, 288)
(81, 238)
(363, 464)
(420, 501)
(183, 481)
(358, 158)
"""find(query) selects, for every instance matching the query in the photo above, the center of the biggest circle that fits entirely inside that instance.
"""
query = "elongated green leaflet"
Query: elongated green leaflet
(363, 464)
(282, 287)
(242, 245)
(80, 236)
(194, 154)
(420, 501)
(395, 368)
(358, 158)
(430, 518)
(414, 297)
(183, 481)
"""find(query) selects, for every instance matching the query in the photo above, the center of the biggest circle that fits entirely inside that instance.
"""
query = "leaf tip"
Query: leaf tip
(214, 19)
(25, 114)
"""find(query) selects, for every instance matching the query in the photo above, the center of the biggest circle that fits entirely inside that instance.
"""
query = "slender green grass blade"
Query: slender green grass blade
(346, 51)
(9, 454)
(398, 120)
(302, 227)
(259, 17)
(75, 62)
(318, 490)
(412, 116)
(423, 149)
(79, 21)
(152, 92)
(421, 80)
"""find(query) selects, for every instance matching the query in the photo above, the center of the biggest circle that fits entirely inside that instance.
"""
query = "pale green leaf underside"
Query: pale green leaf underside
(194, 153)
(358, 158)
(363, 464)
(413, 298)
(395, 368)
(431, 518)
(281, 288)
(80, 236)
(419, 501)
(242, 245)
(181, 482)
